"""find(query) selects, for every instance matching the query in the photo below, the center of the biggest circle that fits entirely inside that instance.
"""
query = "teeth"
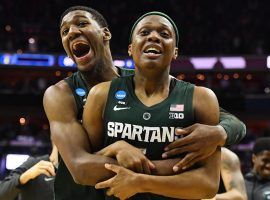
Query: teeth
(75, 45)
(152, 49)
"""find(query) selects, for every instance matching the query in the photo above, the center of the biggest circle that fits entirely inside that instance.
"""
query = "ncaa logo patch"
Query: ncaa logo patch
(121, 94)
(80, 92)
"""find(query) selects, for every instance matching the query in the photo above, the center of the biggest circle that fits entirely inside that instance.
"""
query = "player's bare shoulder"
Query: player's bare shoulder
(100, 90)
(58, 99)
(203, 92)
(205, 105)
(228, 156)
(57, 89)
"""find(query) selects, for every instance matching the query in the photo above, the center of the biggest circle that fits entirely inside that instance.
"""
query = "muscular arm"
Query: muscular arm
(72, 141)
(232, 177)
(70, 137)
(196, 144)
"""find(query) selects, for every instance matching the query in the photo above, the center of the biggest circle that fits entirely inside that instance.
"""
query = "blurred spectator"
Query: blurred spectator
(258, 180)
(33, 180)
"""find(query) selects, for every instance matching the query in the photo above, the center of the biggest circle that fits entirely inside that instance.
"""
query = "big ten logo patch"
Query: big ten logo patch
(173, 115)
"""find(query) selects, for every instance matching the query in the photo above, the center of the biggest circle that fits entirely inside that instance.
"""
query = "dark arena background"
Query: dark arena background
(224, 45)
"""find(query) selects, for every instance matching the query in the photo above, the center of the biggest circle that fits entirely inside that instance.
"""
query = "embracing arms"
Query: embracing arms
(196, 144)
(70, 138)
(73, 142)
(200, 182)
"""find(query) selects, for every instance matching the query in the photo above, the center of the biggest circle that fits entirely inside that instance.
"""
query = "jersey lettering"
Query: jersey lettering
(140, 133)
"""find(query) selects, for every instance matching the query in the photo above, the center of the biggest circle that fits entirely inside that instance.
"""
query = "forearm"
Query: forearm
(165, 167)
(188, 185)
(8, 188)
(198, 183)
(231, 195)
(162, 167)
(85, 168)
(89, 169)
(235, 129)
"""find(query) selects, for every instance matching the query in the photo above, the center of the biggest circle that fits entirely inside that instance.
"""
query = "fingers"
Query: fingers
(45, 172)
(146, 168)
(47, 166)
(151, 165)
(178, 151)
(179, 143)
(189, 160)
(113, 167)
(42, 167)
(104, 184)
(182, 131)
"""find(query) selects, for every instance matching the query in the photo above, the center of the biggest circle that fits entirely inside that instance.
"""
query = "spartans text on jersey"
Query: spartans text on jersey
(140, 133)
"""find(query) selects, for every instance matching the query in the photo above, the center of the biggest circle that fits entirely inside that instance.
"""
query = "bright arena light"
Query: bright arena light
(6, 59)
(68, 62)
(31, 40)
(15, 160)
(129, 63)
(119, 63)
(22, 121)
(233, 62)
(203, 63)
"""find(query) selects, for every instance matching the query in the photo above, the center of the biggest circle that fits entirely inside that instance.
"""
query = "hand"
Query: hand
(129, 157)
(199, 143)
(42, 167)
(123, 185)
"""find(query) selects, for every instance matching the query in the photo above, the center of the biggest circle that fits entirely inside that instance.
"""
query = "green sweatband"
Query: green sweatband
(160, 14)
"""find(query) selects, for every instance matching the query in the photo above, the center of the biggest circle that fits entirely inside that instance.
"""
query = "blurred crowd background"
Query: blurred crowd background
(207, 28)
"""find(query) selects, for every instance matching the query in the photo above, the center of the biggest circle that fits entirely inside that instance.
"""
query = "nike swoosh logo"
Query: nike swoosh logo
(115, 108)
(48, 179)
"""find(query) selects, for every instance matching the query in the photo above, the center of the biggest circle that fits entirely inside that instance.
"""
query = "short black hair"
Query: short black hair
(95, 14)
(261, 144)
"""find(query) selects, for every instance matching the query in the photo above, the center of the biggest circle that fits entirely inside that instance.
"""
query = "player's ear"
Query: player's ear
(106, 34)
(175, 53)
(130, 50)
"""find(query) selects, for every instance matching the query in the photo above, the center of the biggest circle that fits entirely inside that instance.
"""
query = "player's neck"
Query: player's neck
(152, 85)
(100, 73)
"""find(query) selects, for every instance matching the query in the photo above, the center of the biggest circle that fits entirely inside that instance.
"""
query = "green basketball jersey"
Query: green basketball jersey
(65, 187)
(149, 128)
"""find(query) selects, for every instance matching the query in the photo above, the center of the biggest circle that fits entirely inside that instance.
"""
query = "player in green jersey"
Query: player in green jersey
(63, 103)
(143, 111)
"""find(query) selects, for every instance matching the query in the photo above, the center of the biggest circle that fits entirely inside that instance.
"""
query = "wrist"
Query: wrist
(118, 146)
(139, 179)
(24, 178)
(223, 135)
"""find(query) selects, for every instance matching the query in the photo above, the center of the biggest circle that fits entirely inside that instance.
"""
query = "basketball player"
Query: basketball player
(144, 110)
(85, 37)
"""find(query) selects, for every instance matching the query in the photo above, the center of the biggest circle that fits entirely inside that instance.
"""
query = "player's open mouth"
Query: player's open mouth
(152, 50)
(80, 49)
